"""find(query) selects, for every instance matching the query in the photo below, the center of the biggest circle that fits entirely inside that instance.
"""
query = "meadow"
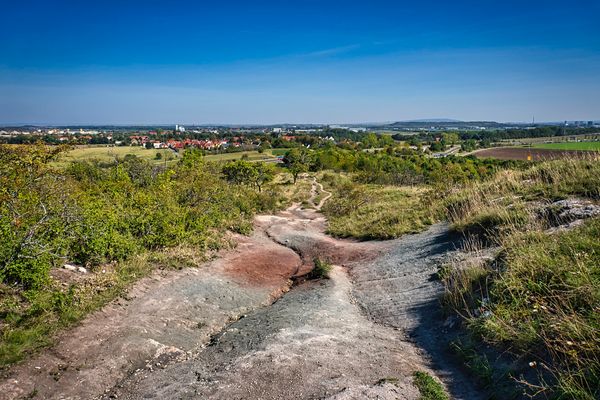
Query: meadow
(593, 146)
(108, 154)
(167, 156)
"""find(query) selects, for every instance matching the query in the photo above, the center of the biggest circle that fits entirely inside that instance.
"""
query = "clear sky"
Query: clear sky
(151, 62)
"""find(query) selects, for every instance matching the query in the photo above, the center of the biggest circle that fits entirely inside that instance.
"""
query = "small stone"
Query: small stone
(70, 267)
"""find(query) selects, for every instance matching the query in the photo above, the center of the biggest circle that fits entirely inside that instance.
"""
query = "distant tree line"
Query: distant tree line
(495, 135)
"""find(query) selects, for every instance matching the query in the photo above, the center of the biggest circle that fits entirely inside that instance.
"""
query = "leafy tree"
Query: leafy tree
(385, 140)
(450, 138)
(468, 145)
(437, 146)
(297, 161)
(248, 173)
(264, 145)
(370, 140)
(239, 172)
(34, 211)
(192, 158)
(264, 174)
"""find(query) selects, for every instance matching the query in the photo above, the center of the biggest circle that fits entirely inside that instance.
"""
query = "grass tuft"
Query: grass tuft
(429, 388)
(321, 270)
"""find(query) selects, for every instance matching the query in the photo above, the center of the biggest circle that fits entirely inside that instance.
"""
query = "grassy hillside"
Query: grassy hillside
(370, 211)
(539, 299)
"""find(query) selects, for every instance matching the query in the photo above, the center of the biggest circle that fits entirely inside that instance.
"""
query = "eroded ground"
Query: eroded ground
(229, 330)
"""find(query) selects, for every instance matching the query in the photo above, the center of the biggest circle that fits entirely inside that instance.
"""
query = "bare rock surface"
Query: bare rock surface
(399, 289)
(312, 343)
(575, 209)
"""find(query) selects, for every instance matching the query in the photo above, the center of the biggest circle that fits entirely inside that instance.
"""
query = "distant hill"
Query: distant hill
(446, 123)
(435, 120)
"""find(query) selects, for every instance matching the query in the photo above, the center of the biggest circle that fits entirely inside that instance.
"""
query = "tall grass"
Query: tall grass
(509, 200)
(370, 211)
(540, 296)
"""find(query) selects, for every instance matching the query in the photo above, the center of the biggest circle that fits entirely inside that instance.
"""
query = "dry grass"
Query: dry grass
(298, 193)
(540, 296)
(105, 153)
(375, 211)
(508, 202)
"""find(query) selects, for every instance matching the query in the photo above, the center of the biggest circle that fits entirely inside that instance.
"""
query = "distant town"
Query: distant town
(237, 138)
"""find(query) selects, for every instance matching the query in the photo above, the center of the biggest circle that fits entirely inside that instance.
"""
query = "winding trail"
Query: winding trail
(238, 328)
(314, 193)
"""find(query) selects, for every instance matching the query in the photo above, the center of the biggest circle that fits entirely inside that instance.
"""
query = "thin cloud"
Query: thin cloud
(333, 51)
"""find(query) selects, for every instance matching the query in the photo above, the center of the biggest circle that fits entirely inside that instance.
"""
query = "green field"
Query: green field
(570, 146)
(252, 155)
(103, 153)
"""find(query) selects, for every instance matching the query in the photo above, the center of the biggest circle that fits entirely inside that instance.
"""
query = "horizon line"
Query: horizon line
(418, 121)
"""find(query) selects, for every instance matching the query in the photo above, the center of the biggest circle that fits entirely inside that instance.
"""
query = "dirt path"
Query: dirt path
(315, 192)
(359, 335)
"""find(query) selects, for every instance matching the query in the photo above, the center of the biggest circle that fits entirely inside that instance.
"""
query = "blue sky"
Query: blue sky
(151, 62)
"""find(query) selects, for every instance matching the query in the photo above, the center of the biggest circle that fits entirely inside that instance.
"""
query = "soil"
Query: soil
(239, 328)
(523, 153)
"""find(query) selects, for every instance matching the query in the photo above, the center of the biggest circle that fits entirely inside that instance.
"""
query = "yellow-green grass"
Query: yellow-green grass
(594, 146)
(107, 154)
(506, 202)
(540, 296)
(251, 155)
(378, 212)
(294, 193)
(540, 299)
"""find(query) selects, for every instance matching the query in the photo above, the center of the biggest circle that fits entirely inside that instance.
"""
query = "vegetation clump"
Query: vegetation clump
(321, 270)
(429, 388)
(376, 211)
